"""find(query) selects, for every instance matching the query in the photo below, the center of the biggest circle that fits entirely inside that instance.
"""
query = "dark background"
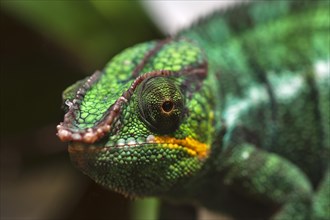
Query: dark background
(45, 47)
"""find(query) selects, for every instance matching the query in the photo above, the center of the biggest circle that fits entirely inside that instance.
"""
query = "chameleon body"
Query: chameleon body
(231, 114)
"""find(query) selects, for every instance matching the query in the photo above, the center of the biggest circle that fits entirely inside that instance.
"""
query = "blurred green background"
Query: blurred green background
(45, 47)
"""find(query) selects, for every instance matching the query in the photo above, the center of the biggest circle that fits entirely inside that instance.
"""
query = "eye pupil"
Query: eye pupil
(167, 106)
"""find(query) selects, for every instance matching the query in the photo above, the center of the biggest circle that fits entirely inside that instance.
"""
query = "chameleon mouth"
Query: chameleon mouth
(192, 146)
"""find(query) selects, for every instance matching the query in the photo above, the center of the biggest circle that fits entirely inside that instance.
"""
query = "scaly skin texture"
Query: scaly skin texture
(232, 114)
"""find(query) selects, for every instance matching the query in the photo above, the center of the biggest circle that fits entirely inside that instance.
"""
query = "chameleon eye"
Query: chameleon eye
(161, 104)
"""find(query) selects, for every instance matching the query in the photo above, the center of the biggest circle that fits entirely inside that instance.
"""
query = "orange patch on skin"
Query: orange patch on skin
(192, 146)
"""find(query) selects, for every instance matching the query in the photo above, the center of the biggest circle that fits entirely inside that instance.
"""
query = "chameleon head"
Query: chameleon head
(143, 126)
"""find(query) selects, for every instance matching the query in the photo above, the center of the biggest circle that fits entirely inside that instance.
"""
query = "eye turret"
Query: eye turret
(161, 104)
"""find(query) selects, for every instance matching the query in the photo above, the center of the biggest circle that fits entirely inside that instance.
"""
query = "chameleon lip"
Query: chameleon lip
(192, 146)
(66, 132)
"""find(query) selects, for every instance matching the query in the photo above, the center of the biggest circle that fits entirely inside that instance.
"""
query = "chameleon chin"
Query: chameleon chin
(231, 113)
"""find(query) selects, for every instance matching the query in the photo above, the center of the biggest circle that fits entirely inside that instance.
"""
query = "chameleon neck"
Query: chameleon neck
(250, 53)
(240, 49)
(249, 56)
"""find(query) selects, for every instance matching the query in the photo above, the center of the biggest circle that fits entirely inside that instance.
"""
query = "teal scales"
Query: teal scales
(231, 113)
